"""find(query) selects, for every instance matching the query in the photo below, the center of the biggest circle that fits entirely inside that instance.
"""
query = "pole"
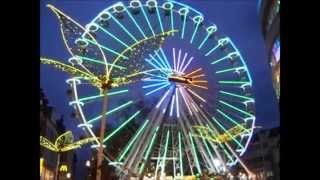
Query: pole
(57, 167)
(102, 130)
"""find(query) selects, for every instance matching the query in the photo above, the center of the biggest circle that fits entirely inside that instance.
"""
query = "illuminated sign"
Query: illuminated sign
(41, 165)
(276, 50)
(63, 168)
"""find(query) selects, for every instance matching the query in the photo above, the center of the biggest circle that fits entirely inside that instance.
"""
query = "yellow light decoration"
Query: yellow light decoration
(60, 14)
(94, 80)
(41, 165)
(64, 142)
(137, 43)
(220, 138)
(63, 168)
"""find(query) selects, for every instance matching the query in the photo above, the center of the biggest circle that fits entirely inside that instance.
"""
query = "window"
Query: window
(276, 50)
(269, 173)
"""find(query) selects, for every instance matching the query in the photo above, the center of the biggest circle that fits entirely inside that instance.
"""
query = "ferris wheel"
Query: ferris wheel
(182, 87)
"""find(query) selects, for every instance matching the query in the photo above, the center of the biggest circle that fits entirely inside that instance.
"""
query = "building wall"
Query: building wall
(263, 155)
(50, 129)
(270, 25)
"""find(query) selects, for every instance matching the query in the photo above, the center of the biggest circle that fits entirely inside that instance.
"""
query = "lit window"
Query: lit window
(276, 49)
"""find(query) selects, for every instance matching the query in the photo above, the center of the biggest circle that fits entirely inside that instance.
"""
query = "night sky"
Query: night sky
(236, 18)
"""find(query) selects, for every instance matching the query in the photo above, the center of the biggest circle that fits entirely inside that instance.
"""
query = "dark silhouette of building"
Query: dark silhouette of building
(51, 127)
(48, 130)
(270, 23)
(263, 154)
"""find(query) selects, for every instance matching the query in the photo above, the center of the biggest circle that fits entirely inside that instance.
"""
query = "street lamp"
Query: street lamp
(68, 175)
(88, 164)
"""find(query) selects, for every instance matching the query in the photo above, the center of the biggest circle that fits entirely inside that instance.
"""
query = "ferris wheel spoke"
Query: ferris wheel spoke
(174, 59)
(229, 156)
(100, 96)
(155, 84)
(235, 69)
(121, 126)
(159, 18)
(227, 132)
(213, 49)
(135, 22)
(221, 43)
(210, 30)
(153, 80)
(194, 33)
(198, 76)
(172, 104)
(235, 108)
(147, 153)
(159, 88)
(165, 57)
(106, 48)
(147, 19)
(230, 56)
(111, 111)
(183, 94)
(165, 153)
(119, 159)
(100, 62)
(186, 66)
(171, 19)
(112, 35)
(238, 159)
(180, 154)
(183, 12)
(162, 64)
(122, 27)
(208, 150)
(157, 76)
(177, 103)
(195, 154)
(163, 60)
(213, 130)
(231, 120)
(242, 83)
(221, 145)
(197, 20)
(197, 95)
(182, 63)
(159, 67)
(236, 95)
(164, 97)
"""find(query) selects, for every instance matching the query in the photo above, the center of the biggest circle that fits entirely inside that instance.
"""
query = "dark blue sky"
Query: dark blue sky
(236, 18)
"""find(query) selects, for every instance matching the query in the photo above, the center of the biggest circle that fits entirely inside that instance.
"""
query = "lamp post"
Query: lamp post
(68, 175)
(102, 129)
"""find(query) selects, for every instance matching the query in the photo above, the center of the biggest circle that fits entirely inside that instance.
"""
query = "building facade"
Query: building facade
(263, 154)
(51, 127)
(270, 24)
(48, 158)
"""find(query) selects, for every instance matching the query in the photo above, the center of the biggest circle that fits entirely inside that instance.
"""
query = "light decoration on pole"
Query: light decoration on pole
(63, 168)
(136, 61)
(63, 143)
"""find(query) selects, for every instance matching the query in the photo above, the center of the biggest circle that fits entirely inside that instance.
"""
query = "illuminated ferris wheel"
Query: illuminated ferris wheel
(170, 72)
